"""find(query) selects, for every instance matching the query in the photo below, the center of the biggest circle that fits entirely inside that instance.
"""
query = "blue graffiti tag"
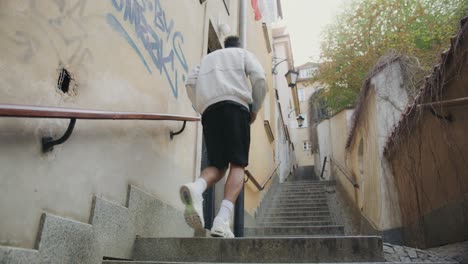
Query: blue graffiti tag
(166, 53)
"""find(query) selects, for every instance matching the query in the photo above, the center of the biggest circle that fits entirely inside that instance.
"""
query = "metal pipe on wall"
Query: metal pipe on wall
(243, 23)
(239, 208)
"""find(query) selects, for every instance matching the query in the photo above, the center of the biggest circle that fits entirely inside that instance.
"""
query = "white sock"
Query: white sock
(200, 185)
(226, 210)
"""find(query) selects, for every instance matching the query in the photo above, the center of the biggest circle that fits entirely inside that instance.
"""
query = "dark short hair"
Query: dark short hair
(232, 42)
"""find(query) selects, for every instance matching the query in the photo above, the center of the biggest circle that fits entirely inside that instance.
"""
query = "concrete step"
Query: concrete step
(305, 192)
(298, 214)
(279, 204)
(294, 231)
(302, 188)
(260, 250)
(302, 196)
(294, 218)
(300, 191)
(295, 223)
(299, 194)
(166, 262)
(300, 200)
(304, 183)
(305, 209)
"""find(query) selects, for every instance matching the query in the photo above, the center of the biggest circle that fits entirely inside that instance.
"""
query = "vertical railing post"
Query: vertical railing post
(209, 207)
(239, 215)
(323, 167)
(209, 194)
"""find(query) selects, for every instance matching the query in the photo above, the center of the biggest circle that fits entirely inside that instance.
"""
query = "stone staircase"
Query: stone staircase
(294, 227)
(298, 208)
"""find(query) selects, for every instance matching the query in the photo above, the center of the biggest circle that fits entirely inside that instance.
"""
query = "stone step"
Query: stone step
(300, 191)
(302, 188)
(300, 199)
(304, 192)
(294, 218)
(166, 262)
(295, 223)
(280, 204)
(298, 214)
(294, 231)
(305, 208)
(260, 250)
(294, 195)
(283, 185)
(304, 183)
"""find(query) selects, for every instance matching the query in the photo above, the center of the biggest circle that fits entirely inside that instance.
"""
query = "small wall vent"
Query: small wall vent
(64, 80)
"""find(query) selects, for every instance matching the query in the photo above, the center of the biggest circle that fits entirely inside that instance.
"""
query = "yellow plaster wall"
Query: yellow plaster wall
(261, 160)
(112, 70)
(368, 197)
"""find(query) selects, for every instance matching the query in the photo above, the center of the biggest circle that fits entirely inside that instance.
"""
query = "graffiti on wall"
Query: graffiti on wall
(144, 23)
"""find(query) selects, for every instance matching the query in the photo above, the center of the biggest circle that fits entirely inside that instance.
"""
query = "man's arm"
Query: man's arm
(256, 74)
(191, 84)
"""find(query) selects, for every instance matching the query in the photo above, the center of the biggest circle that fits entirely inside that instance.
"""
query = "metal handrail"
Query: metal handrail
(345, 172)
(27, 111)
(7, 110)
(259, 186)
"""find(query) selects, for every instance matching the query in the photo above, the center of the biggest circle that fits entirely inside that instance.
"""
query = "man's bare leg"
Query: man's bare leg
(234, 184)
(212, 175)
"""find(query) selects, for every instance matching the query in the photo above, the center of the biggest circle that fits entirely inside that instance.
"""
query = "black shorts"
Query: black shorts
(226, 129)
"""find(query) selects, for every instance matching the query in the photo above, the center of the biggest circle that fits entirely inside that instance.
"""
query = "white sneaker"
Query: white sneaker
(193, 206)
(221, 228)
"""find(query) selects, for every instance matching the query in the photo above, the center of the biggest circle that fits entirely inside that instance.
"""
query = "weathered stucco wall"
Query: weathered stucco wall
(116, 64)
(282, 50)
(430, 164)
(262, 160)
(323, 134)
(339, 129)
(377, 197)
(92, 41)
(363, 161)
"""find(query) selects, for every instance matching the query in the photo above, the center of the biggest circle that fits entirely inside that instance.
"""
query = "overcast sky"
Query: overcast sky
(305, 20)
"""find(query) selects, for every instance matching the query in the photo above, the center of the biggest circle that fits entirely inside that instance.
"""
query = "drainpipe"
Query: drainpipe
(243, 23)
(239, 208)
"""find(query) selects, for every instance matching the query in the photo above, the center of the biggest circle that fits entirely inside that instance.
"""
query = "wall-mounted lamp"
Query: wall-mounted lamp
(291, 77)
(300, 120)
(276, 63)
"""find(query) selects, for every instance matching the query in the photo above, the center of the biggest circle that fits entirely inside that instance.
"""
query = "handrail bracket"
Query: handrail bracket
(48, 143)
(172, 134)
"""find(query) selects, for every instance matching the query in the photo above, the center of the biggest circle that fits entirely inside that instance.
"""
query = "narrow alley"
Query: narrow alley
(233, 131)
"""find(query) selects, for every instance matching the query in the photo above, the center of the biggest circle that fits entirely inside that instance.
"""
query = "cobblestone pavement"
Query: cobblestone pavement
(458, 251)
(394, 253)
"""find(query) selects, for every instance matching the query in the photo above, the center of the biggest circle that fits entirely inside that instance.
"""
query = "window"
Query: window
(301, 95)
(307, 145)
(306, 73)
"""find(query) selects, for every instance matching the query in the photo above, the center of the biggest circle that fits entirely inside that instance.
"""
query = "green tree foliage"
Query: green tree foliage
(368, 29)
